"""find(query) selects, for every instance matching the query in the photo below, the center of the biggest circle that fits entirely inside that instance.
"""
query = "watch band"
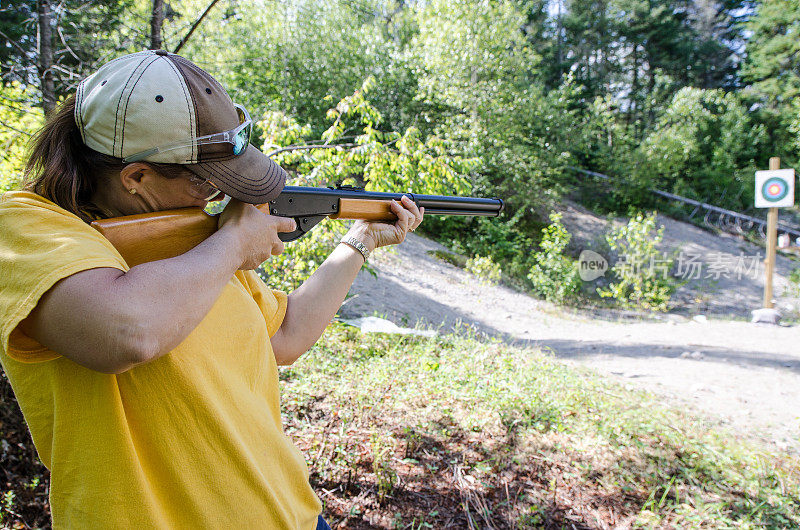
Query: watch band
(358, 245)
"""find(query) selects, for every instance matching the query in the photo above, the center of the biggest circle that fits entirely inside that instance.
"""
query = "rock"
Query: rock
(381, 325)
(700, 318)
(766, 315)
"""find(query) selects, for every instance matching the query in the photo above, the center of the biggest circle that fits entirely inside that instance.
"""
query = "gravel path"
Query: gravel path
(736, 373)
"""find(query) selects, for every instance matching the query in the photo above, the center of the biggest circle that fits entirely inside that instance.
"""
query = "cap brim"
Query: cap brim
(250, 177)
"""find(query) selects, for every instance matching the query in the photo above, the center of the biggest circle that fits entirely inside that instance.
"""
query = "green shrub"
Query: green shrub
(642, 271)
(554, 275)
(506, 239)
(793, 284)
(386, 161)
(697, 148)
(302, 257)
(485, 269)
(457, 260)
(20, 120)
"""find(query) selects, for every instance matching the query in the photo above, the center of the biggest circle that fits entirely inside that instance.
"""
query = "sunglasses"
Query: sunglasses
(202, 189)
(237, 138)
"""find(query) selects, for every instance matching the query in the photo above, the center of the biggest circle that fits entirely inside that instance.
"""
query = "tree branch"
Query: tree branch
(194, 26)
(307, 147)
(322, 146)
(66, 46)
(7, 126)
(14, 43)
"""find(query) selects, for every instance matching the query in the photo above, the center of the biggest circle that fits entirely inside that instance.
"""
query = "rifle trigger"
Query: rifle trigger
(304, 225)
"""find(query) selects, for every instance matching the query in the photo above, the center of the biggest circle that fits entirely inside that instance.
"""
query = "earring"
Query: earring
(133, 191)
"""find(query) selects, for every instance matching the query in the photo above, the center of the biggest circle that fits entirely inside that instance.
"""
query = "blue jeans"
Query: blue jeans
(322, 525)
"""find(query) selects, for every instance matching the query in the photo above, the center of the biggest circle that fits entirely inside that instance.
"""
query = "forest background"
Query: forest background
(492, 98)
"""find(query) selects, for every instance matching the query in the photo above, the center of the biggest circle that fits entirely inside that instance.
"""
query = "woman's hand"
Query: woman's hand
(376, 234)
(311, 306)
(256, 232)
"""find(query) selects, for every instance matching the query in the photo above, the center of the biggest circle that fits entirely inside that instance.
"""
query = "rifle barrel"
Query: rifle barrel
(433, 204)
(461, 211)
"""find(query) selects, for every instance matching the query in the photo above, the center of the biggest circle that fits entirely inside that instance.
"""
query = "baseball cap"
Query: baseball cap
(153, 98)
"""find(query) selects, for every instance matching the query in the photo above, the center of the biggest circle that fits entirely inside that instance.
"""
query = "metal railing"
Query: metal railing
(727, 220)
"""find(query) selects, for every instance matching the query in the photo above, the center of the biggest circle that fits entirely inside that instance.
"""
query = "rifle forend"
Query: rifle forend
(160, 235)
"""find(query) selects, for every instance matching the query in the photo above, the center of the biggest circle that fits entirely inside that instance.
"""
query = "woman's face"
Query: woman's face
(162, 193)
(154, 192)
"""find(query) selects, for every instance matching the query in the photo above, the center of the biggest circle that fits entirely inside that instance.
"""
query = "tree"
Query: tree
(56, 45)
(640, 51)
(772, 72)
(706, 146)
(156, 21)
(18, 21)
(479, 80)
(300, 57)
(720, 42)
(772, 67)
(46, 56)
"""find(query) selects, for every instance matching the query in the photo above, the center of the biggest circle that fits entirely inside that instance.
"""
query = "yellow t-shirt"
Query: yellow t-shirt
(191, 440)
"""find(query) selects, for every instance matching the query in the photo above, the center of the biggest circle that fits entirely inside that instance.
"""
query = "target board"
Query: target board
(775, 188)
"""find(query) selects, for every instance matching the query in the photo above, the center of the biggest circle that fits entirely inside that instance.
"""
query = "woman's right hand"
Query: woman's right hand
(256, 232)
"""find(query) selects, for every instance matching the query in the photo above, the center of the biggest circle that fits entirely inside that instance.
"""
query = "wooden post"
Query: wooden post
(772, 236)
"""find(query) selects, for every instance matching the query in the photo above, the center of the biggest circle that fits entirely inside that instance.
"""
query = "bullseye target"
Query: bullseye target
(775, 188)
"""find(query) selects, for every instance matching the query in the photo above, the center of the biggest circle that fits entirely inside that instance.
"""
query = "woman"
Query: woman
(151, 392)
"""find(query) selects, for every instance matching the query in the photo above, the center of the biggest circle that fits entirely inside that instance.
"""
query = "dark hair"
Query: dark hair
(63, 169)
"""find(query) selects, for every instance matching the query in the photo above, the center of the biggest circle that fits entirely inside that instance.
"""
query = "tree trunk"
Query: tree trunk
(559, 39)
(603, 46)
(634, 107)
(156, 21)
(46, 57)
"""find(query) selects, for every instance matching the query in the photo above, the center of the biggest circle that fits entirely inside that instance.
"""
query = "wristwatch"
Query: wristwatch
(358, 245)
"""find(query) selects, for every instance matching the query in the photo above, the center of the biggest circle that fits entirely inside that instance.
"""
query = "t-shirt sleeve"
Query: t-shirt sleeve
(271, 302)
(41, 244)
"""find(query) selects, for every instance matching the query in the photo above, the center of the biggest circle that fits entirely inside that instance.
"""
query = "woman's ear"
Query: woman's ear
(132, 174)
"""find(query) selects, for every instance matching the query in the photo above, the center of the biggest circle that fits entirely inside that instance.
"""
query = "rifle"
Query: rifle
(160, 235)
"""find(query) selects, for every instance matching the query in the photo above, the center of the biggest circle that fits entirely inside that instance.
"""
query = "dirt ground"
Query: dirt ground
(741, 375)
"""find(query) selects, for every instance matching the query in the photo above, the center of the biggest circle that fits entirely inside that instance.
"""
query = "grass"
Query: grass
(410, 432)
(457, 431)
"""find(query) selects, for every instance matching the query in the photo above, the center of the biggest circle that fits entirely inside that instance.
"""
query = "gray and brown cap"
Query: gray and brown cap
(152, 98)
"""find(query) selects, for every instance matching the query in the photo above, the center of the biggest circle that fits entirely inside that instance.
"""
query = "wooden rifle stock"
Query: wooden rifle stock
(160, 235)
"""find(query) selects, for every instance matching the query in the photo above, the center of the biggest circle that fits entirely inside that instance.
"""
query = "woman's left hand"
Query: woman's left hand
(376, 234)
